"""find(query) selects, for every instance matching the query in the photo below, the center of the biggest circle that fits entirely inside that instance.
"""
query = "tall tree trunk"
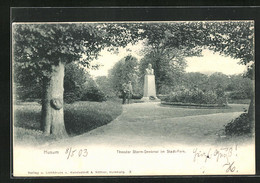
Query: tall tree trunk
(52, 103)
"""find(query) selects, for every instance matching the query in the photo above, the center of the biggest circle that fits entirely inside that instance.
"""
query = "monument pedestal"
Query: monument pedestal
(149, 89)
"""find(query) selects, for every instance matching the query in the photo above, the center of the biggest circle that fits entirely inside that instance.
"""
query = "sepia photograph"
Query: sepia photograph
(133, 98)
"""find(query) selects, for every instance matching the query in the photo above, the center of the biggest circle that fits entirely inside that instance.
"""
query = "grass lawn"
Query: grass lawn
(79, 117)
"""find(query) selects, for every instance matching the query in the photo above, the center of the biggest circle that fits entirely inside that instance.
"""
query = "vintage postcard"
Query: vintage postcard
(133, 98)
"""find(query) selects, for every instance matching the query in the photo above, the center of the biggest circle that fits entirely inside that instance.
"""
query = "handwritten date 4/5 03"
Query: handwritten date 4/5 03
(70, 152)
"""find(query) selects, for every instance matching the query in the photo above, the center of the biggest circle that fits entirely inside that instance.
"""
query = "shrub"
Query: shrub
(152, 98)
(27, 93)
(134, 96)
(93, 93)
(240, 126)
(137, 96)
(74, 81)
(195, 96)
(70, 97)
(239, 95)
(220, 92)
(162, 97)
(211, 97)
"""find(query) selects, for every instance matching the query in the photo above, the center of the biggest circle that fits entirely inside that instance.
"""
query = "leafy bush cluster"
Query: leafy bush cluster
(238, 86)
(134, 96)
(137, 96)
(196, 97)
(93, 93)
(70, 97)
(239, 126)
(27, 93)
(89, 93)
(239, 95)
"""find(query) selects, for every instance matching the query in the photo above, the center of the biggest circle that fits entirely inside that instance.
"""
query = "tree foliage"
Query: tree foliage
(186, 37)
(105, 85)
(240, 87)
(39, 46)
(75, 80)
(195, 80)
(168, 43)
(166, 46)
(230, 38)
(218, 80)
(234, 86)
(123, 71)
(168, 72)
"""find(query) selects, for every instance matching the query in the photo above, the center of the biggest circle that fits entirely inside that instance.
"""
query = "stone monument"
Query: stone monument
(149, 85)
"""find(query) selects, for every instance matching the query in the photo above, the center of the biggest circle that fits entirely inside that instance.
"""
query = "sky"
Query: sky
(107, 60)
(209, 63)
(213, 62)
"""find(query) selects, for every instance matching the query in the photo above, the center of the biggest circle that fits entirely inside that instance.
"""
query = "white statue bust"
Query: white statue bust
(149, 70)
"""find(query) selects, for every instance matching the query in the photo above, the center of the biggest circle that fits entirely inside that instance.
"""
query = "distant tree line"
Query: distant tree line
(172, 77)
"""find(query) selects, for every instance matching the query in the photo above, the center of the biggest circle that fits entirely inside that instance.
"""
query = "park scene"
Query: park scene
(141, 83)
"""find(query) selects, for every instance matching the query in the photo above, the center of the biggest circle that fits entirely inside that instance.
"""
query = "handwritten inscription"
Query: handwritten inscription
(230, 167)
(70, 152)
(217, 154)
(224, 155)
